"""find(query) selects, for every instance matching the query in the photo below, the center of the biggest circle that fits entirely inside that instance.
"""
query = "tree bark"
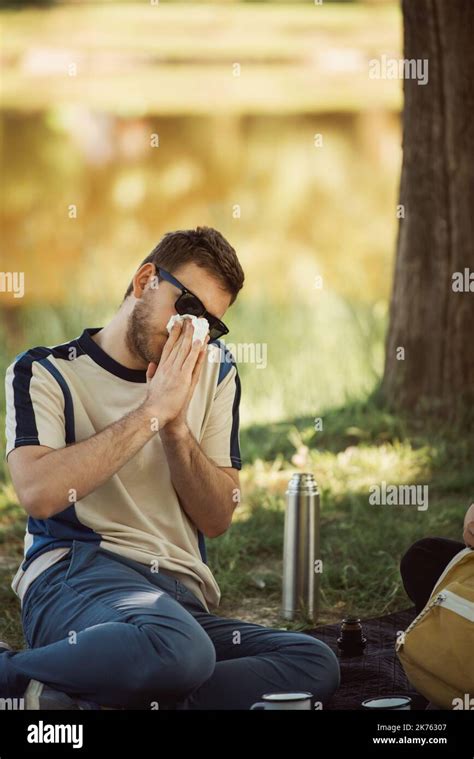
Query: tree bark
(431, 322)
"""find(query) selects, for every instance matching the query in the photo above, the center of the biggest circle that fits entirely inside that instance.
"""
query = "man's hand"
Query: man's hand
(177, 426)
(468, 535)
(171, 383)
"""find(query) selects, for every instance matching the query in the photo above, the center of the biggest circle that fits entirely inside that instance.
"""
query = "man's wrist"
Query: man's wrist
(174, 431)
(152, 416)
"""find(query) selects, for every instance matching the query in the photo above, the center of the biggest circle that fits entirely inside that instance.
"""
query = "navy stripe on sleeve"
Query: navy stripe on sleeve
(226, 363)
(26, 432)
(235, 456)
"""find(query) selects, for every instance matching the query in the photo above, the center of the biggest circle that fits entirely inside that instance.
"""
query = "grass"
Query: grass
(361, 444)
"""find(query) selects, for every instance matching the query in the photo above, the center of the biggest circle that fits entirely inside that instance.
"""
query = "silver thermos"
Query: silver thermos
(301, 558)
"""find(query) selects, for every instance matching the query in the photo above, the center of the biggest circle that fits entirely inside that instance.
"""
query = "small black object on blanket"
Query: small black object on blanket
(377, 672)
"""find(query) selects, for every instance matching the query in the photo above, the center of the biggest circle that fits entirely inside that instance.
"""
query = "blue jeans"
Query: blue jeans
(108, 629)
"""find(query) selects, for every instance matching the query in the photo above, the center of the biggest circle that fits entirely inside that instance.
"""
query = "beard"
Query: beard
(139, 334)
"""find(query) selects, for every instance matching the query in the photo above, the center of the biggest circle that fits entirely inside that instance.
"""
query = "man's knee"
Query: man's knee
(176, 667)
(195, 664)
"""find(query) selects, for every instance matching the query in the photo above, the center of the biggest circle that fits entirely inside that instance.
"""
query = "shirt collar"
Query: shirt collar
(105, 361)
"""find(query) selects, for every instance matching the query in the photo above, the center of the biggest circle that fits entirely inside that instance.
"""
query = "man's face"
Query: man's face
(146, 330)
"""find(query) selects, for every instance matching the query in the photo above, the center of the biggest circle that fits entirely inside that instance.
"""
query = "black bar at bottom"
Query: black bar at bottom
(135, 733)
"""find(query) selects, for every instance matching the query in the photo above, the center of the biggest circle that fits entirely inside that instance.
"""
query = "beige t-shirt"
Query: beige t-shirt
(57, 396)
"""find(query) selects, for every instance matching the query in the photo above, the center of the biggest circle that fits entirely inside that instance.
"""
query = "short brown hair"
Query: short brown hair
(203, 246)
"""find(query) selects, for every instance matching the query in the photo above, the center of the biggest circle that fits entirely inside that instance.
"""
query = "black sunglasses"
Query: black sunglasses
(188, 303)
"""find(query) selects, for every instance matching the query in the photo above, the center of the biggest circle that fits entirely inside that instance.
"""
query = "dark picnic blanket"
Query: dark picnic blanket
(378, 672)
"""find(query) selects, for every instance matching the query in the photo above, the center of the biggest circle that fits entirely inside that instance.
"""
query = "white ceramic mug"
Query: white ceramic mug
(300, 700)
(387, 702)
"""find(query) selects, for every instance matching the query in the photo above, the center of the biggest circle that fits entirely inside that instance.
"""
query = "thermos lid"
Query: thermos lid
(302, 482)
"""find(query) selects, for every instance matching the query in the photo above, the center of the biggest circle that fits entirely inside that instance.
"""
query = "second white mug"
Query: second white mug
(290, 701)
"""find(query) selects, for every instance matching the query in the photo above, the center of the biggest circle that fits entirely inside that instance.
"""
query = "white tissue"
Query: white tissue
(201, 325)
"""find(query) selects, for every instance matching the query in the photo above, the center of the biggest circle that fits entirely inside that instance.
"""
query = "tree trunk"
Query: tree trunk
(428, 319)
